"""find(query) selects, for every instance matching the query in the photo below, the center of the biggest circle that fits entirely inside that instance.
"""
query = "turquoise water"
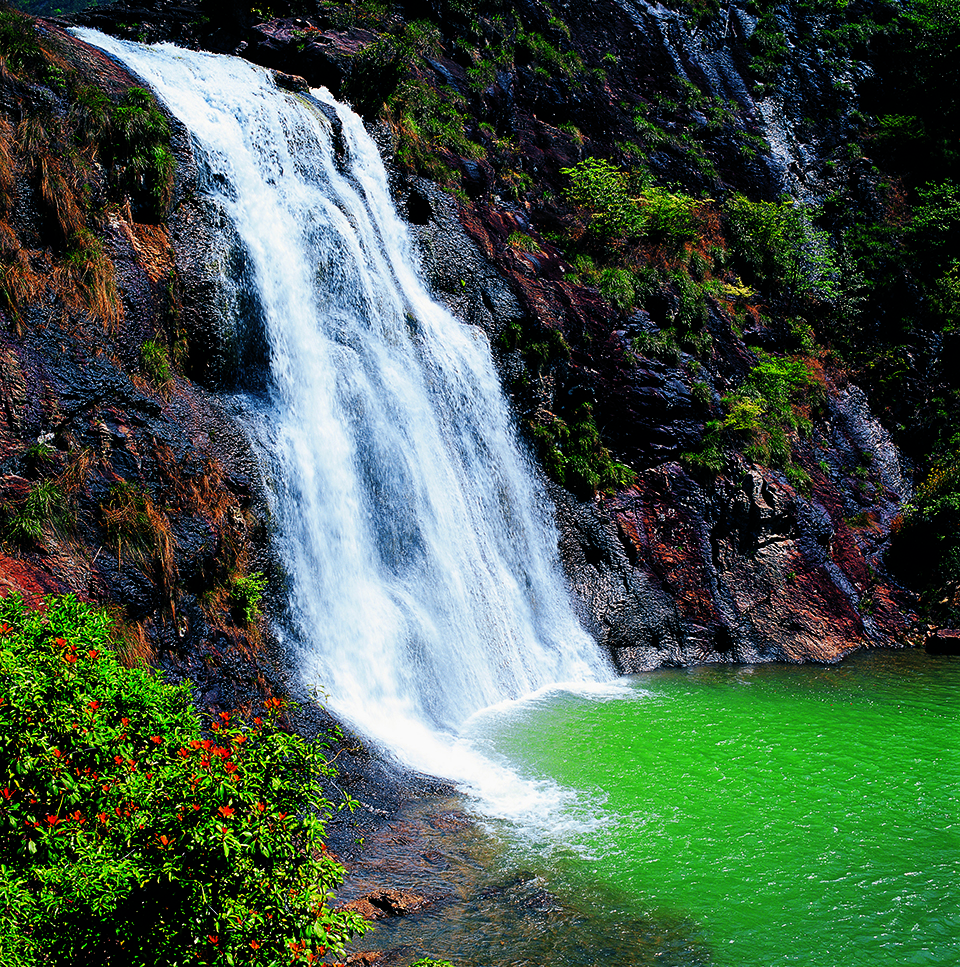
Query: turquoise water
(739, 817)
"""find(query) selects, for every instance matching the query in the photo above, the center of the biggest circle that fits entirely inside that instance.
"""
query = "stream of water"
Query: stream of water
(424, 578)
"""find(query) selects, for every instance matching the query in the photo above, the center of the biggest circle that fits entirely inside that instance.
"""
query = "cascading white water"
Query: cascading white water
(422, 559)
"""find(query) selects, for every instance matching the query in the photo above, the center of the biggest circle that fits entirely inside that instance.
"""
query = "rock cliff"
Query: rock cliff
(114, 403)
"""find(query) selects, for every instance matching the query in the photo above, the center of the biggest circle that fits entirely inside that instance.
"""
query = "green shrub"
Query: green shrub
(129, 836)
(522, 242)
(573, 454)
(617, 286)
(156, 364)
(765, 407)
(618, 205)
(925, 550)
(662, 345)
(540, 347)
(45, 505)
(246, 593)
(602, 192)
(777, 246)
(20, 50)
(375, 74)
(669, 217)
(762, 412)
(136, 147)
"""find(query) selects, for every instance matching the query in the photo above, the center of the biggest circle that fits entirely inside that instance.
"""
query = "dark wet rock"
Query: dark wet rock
(291, 82)
(453, 266)
(387, 903)
(365, 957)
(943, 641)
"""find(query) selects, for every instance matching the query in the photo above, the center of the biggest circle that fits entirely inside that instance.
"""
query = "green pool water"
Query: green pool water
(741, 817)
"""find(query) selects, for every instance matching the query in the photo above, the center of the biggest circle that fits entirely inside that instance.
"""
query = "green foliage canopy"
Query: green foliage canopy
(128, 835)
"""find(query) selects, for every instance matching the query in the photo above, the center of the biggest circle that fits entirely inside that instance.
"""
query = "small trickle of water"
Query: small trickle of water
(425, 579)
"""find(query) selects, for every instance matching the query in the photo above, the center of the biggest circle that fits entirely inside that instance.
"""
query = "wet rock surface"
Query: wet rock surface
(387, 903)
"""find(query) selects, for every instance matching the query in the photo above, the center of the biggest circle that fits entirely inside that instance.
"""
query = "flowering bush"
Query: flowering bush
(128, 835)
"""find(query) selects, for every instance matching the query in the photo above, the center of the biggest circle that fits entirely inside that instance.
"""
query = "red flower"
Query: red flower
(118, 759)
(93, 653)
(106, 787)
(70, 659)
(164, 840)
(124, 722)
(53, 820)
(213, 939)
(260, 807)
(240, 739)
(230, 766)
(61, 642)
(102, 817)
(183, 753)
(225, 716)
(226, 811)
(255, 945)
(93, 706)
(6, 792)
(215, 726)
(155, 739)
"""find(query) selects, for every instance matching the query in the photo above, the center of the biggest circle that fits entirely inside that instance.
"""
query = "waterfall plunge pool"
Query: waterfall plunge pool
(743, 817)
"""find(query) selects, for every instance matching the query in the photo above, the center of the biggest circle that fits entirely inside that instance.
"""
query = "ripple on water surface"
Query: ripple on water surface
(744, 817)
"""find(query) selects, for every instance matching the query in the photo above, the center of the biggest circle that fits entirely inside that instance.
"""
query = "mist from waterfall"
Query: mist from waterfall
(424, 580)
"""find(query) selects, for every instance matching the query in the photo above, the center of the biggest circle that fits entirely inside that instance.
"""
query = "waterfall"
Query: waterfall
(422, 557)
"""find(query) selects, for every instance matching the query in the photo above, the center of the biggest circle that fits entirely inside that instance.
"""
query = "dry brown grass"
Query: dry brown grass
(130, 640)
(57, 191)
(33, 136)
(19, 284)
(7, 166)
(142, 532)
(85, 278)
(75, 474)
